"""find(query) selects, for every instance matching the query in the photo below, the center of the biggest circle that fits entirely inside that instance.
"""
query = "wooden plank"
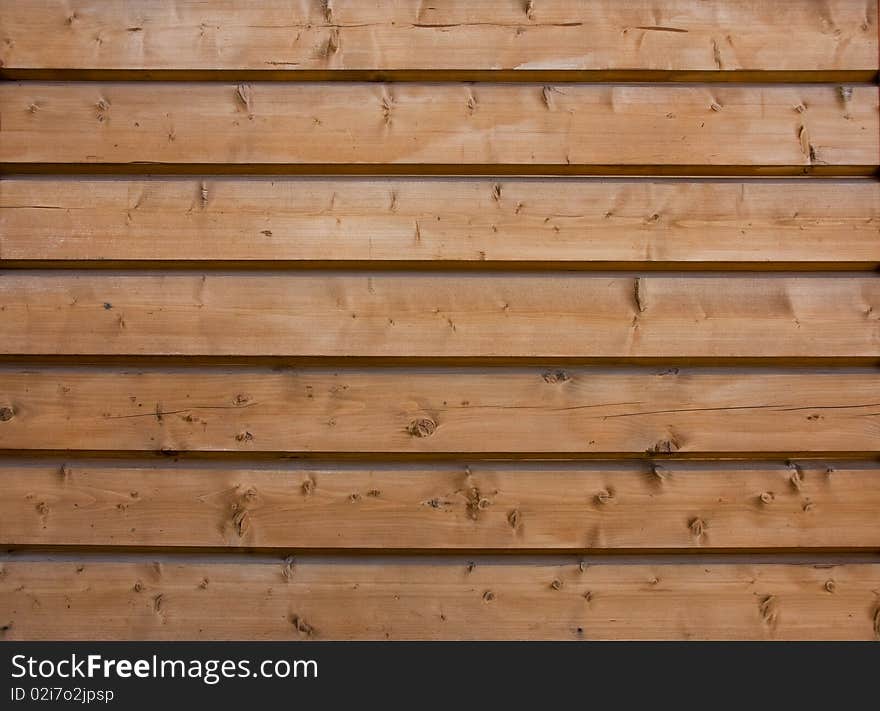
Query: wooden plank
(677, 505)
(427, 127)
(284, 37)
(523, 412)
(428, 315)
(434, 598)
(576, 223)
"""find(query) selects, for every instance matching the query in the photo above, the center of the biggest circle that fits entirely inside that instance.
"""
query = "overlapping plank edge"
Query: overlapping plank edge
(434, 598)
(536, 39)
(440, 223)
(586, 506)
(424, 128)
(521, 412)
(440, 315)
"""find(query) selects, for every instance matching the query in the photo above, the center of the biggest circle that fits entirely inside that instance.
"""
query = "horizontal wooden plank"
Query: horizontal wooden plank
(587, 506)
(575, 223)
(434, 598)
(524, 412)
(430, 315)
(295, 38)
(265, 126)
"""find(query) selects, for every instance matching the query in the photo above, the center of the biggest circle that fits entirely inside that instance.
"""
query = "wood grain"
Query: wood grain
(287, 37)
(482, 506)
(438, 223)
(462, 315)
(522, 412)
(425, 127)
(434, 598)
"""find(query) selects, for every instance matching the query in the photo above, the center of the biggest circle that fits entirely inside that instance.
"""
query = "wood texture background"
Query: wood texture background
(319, 306)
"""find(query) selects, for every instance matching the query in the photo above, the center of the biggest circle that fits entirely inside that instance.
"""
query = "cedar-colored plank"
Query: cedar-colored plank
(445, 506)
(517, 411)
(581, 223)
(435, 598)
(465, 126)
(677, 35)
(429, 315)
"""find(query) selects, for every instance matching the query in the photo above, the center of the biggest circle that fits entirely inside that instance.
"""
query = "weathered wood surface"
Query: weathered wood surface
(523, 412)
(442, 127)
(470, 315)
(435, 598)
(676, 38)
(479, 506)
(436, 223)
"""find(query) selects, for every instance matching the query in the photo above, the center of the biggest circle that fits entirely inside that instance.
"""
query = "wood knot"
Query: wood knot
(334, 42)
(698, 527)
(715, 106)
(529, 9)
(328, 11)
(588, 596)
(769, 609)
(6, 414)
(639, 293)
(287, 568)
(43, 508)
(514, 518)
(658, 473)
(475, 503)
(664, 446)
(308, 486)
(488, 596)
(158, 603)
(605, 497)
(582, 566)
(496, 192)
(203, 193)
(244, 437)
(796, 479)
(243, 95)
(387, 106)
(830, 586)
(556, 584)
(101, 108)
(240, 520)
(304, 628)
(204, 584)
(547, 97)
(241, 399)
(469, 568)
(767, 497)
(877, 622)
(138, 586)
(556, 376)
(422, 427)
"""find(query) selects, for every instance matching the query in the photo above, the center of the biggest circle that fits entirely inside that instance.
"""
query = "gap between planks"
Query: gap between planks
(439, 169)
(505, 76)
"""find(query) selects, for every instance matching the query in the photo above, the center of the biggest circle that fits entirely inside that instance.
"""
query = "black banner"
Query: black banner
(129, 675)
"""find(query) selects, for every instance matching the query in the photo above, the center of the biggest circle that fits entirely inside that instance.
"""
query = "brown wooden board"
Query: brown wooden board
(442, 223)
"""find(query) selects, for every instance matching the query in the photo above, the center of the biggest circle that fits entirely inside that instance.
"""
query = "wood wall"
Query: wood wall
(516, 320)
